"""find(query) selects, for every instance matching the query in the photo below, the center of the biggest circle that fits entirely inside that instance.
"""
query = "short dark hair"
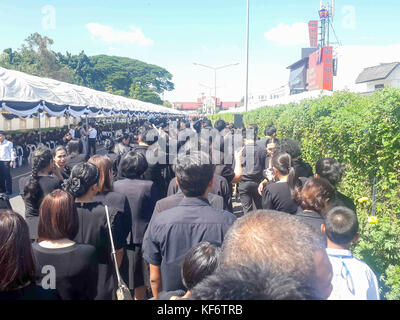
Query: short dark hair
(281, 241)
(58, 217)
(314, 193)
(341, 225)
(330, 169)
(194, 173)
(75, 147)
(109, 144)
(220, 125)
(16, 258)
(148, 134)
(269, 131)
(253, 282)
(289, 146)
(200, 262)
(133, 165)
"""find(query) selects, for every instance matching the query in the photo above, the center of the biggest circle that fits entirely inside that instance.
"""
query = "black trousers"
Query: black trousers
(92, 146)
(248, 192)
(5, 177)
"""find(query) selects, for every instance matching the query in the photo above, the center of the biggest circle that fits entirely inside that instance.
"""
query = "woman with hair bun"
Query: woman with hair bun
(35, 187)
(279, 195)
(93, 229)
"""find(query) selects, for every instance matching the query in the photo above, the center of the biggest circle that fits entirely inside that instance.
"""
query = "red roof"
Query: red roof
(228, 105)
(187, 105)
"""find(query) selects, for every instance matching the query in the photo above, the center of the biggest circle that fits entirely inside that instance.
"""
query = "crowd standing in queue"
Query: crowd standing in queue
(170, 187)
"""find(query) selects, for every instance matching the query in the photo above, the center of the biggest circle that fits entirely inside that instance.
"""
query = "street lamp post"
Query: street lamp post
(215, 76)
(246, 98)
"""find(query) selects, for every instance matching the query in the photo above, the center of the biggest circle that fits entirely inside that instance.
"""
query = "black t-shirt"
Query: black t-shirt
(75, 269)
(30, 292)
(277, 196)
(220, 187)
(343, 201)
(120, 202)
(312, 218)
(93, 230)
(46, 185)
(253, 163)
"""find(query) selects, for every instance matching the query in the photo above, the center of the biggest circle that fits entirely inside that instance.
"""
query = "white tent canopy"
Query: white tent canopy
(23, 94)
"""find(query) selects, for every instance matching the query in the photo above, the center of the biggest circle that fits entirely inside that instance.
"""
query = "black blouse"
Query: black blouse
(93, 230)
(75, 266)
(277, 196)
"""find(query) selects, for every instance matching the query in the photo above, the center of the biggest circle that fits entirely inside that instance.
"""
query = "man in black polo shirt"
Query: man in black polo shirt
(172, 233)
(253, 162)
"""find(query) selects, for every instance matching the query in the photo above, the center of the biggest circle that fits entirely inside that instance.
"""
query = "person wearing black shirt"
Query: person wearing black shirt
(253, 162)
(155, 156)
(172, 233)
(291, 147)
(173, 201)
(75, 265)
(93, 227)
(142, 196)
(35, 187)
(279, 195)
(333, 171)
(17, 267)
(313, 199)
(115, 158)
(75, 154)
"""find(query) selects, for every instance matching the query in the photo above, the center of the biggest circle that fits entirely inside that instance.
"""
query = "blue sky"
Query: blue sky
(176, 33)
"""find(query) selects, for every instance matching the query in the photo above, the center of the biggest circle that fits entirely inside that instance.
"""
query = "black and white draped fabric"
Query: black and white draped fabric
(24, 95)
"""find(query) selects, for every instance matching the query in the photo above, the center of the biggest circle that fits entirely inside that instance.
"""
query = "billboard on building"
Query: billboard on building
(313, 31)
(320, 70)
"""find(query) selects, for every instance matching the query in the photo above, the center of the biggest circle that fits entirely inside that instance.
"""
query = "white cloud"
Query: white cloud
(110, 35)
(289, 35)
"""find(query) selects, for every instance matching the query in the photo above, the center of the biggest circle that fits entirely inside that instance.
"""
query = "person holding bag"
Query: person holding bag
(93, 226)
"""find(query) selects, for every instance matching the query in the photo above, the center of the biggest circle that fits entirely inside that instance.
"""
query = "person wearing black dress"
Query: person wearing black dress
(142, 196)
(313, 199)
(75, 153)
(333, 171)
(115, 158)
(75, 265)
(93, 227)
(60, 161)
(279, 195)
(35, 187)
(17, 267)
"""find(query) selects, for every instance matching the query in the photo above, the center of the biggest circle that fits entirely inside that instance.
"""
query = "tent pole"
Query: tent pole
(40, 128)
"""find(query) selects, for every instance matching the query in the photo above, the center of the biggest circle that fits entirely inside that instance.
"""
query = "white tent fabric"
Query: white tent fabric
(17, 87)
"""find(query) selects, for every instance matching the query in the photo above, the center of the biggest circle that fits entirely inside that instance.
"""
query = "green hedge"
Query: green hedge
(363, 133)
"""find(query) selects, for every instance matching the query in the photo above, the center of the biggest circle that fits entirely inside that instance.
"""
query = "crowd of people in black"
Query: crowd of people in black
(170, 188)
